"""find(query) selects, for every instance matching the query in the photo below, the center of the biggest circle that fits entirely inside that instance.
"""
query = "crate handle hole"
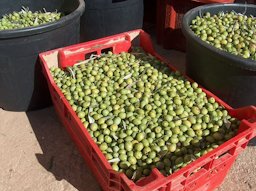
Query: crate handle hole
(252, 120)
(90, 55)
(224, 154)
(106, 50)
(195, 171)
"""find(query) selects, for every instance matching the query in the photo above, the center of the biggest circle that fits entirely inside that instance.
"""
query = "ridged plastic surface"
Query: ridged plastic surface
(205, 173)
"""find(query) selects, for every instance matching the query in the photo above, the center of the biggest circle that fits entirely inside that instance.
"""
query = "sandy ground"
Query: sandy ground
(36, 154)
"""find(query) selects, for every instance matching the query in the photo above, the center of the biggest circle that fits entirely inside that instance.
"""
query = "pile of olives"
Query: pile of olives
(231, 32)
(141, 114)
(26, 18)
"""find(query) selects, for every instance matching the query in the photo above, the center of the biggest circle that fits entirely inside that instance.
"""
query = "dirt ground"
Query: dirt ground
(36, 154)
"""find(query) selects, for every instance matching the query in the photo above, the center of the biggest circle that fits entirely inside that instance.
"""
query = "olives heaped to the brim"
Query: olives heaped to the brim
(141, 114)
(232, 32)
(26, 18)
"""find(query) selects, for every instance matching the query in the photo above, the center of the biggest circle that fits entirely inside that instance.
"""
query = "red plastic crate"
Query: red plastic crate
(213, 166)
(169, 18)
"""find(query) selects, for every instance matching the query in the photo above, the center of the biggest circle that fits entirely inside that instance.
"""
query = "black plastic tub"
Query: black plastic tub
(22, 85)
(230, 77)
(108, 17)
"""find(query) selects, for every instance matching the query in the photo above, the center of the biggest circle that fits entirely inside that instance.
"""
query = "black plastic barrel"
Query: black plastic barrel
(230, 77)
(108, 17)
(22, 85)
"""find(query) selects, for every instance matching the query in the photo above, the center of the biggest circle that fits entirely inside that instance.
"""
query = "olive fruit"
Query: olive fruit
(141, 114)
(26, 18)
(231, 32)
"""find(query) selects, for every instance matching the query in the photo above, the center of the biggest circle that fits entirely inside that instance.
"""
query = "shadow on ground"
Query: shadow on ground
(60, 156)
(252, 142)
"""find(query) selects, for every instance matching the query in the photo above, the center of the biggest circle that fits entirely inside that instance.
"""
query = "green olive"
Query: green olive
(230, 32)
(157, 120)
(26, 18)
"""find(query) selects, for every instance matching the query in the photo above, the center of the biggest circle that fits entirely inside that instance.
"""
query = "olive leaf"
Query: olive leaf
(134, 175)
(114, 160)
(93, 56)
(85, 61)
(115, 137)
(163, 154)
(130, 85)
(108, 117)
(90, 118)
(124, 125)
(193, 157)
(36, 21)
(128, 76)
(227, 123)
(71, 72)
